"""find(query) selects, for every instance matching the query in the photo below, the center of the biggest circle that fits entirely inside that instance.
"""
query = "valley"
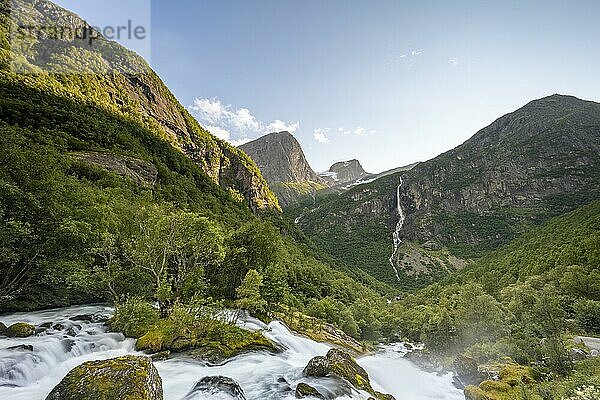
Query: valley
(143, 257)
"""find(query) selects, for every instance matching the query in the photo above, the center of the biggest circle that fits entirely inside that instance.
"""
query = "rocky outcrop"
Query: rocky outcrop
(122, 82)
(341, 364)
(127, 377)
(19, 330)
(216, 385)
(140, 171)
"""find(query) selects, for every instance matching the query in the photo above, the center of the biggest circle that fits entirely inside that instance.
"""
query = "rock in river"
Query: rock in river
(127, 377)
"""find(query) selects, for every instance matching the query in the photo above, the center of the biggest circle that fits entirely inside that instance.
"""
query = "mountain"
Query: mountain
(527, 166)
(106, 74)
(281, 161)
(100, 166)
(344, 172)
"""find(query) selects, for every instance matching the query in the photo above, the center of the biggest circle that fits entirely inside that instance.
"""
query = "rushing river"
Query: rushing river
(31, 375)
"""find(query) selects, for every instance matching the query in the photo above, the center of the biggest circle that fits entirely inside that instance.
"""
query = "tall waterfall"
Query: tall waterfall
(396, 235)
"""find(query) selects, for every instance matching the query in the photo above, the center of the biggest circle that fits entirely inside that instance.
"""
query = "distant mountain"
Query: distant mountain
(537, 162)
(282, 163)
(344, 172)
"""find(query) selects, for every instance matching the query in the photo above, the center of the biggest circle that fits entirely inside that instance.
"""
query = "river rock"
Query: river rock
(466, 372)
(577, 354)
(21, 347)
(212, 385)
(318, 367)
(127, 377)
(2, 328)
(94, 318)
(20, 329)
(341, 364)
(305, 390)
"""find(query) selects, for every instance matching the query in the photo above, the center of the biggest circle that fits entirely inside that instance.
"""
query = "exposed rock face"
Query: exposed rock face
(138, 170)
(282, 163)
(20, 329)
(526, 167)
(122, 82)
(214, 385)
(127, 377)
(344, 172)
(280, 158)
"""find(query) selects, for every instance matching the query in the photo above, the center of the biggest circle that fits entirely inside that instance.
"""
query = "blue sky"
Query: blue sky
(387, 82)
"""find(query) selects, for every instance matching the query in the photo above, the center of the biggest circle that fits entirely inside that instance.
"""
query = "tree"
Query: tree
(248, 294)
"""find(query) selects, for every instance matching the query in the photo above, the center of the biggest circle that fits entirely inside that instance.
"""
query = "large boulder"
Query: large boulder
(20, 329)
(2, 328)
(127, 377)
(216, 385)
(341, 364)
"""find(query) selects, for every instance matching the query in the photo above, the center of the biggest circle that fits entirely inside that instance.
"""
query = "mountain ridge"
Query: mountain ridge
(525, 167)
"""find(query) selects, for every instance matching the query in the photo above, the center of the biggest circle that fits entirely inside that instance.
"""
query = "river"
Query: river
(31, 375)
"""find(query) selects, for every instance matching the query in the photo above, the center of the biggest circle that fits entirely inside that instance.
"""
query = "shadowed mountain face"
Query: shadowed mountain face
(281, 161)
(539, 161)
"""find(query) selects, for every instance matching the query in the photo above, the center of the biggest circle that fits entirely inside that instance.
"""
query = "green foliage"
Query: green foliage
(134, 317)
(249, 293)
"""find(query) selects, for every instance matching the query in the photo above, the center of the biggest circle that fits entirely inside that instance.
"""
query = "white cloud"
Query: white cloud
(453, 62)
(219, 132)
(279, 126)
(417, 52)
(320, 135)
(235, 125)
(359, 131)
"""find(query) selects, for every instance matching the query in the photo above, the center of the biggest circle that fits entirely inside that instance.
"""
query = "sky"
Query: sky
(386, 82)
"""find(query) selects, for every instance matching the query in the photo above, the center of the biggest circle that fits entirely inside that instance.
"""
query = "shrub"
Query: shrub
(134, 317)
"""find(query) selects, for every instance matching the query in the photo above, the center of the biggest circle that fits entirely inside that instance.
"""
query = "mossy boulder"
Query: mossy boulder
(122, 378)
(20, 329)
(305, 390)
(212, 385)
(341, 364)
(214, 348)
(2, 328)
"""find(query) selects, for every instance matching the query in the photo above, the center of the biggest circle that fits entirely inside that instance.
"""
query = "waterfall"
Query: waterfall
(31, 375)
(396, 235)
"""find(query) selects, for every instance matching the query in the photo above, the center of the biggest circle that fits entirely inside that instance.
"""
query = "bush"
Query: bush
(135, 317)
(587, 315)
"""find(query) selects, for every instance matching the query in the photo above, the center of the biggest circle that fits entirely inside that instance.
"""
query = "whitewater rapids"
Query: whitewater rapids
(26, 375)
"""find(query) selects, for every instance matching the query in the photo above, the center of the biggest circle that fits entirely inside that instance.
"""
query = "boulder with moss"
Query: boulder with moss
(2, 328)
(128, 377)
(341, 364)
(214, 345)
(305, 390)
(20, 329)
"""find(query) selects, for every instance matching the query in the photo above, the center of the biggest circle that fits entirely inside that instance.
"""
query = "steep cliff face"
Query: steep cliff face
(344, 172)
(281, 160)
(539, 161)
(107, 75)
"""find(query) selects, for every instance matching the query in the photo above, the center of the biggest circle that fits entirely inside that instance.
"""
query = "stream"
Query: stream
(31, 375)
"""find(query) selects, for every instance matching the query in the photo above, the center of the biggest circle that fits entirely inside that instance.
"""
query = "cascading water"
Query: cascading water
(399, 225)
(31, 375)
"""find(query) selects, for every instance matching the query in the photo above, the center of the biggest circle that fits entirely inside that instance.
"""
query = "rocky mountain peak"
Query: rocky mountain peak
(280, 158)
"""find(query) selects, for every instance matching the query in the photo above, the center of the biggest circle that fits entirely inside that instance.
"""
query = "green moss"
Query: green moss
(20, 329)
